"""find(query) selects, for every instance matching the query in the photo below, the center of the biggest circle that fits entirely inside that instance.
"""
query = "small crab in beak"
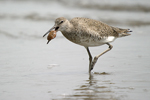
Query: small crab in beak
(52, 33)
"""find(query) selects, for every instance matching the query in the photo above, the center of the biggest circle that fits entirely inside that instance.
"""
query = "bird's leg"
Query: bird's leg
(90, 58)
(96, 57)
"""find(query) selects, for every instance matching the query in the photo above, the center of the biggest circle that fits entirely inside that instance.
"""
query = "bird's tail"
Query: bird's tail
(124, 32)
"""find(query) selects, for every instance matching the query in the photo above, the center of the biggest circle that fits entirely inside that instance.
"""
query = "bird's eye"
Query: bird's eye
(61, 22)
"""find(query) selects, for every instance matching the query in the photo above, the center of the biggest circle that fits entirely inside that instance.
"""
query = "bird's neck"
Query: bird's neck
(68, 27)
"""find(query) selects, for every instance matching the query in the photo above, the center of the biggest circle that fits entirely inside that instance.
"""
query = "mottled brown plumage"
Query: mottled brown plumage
(88, 33)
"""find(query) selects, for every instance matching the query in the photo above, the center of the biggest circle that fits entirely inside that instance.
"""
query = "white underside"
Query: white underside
(110, 39)
(92, 43)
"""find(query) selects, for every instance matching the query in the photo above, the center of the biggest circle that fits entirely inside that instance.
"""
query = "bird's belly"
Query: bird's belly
(88, 41)
(91, 44)
(96, 42)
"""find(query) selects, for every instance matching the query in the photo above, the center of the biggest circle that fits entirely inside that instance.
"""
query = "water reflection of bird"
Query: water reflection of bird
(88, 33)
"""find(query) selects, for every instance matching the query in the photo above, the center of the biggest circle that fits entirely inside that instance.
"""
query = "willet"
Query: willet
(88, 33)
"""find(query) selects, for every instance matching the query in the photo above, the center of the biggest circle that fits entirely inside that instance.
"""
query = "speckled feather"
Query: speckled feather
(88, 32)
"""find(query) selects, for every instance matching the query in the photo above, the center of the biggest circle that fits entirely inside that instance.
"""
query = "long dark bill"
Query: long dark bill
(49, 31)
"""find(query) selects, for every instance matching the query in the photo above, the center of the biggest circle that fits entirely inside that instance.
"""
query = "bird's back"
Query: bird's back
(89, 32)
(95, 27)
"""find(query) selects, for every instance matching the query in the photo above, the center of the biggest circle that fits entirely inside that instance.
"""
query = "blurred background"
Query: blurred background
(31, 18)
(31, 69)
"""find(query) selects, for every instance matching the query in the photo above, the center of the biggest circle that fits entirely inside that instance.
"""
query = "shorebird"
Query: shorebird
(88, 33)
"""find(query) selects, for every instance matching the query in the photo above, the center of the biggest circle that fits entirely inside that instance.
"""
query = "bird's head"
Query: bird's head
(60, 25)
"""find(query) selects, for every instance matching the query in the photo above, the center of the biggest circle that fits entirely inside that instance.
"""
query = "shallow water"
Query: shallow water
(33, 70)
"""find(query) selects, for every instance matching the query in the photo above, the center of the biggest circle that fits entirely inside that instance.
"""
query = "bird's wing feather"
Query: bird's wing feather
(93, 27)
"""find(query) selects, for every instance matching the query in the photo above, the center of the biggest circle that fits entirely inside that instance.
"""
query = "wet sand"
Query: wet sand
(33, 70)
